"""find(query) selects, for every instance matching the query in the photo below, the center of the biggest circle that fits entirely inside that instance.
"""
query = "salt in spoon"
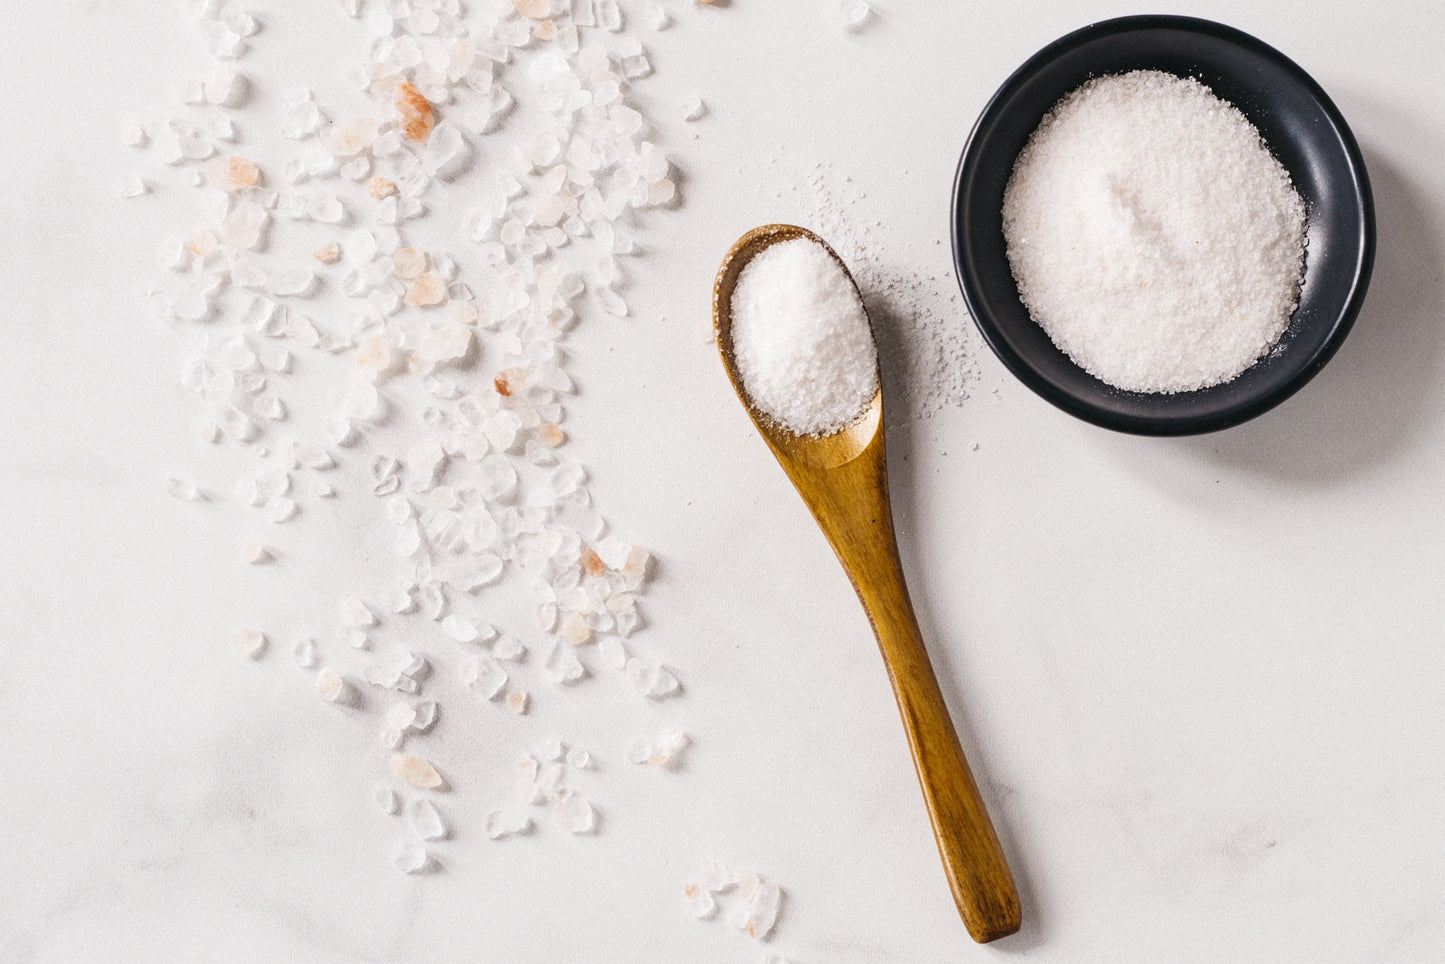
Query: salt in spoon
(844, 482)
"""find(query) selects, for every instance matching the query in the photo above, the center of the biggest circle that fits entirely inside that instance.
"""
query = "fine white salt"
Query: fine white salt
(801, 339)
(1152, 234)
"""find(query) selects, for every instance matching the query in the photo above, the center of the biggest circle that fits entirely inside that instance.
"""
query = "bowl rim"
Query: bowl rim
(1165, 424)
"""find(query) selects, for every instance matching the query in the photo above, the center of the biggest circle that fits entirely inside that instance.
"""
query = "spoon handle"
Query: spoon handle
(854, 514)
(973, 859)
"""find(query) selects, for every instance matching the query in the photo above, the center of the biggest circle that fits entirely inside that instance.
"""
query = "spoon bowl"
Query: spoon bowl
(843, 480)
(820, 451)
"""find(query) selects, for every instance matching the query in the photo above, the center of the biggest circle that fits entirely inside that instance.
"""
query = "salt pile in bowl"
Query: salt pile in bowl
(1152, 234)
(801, 339)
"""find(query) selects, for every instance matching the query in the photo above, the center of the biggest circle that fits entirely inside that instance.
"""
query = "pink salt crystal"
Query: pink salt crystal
(415, 770)
(550, 434)
(592, 563)
(201, 243)
(414, 112)
(575, 629)
(408, 263)
(380, 187)
(428, 289)
(373, 355)
(328, 253)
(536, 9)
(517, 701)
(700, 903)
(232, 173)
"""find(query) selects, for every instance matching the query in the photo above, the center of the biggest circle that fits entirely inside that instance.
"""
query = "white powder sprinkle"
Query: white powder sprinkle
(1152, 234)
(801, 339)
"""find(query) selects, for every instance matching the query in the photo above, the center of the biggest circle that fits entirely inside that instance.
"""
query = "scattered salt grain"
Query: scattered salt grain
(505, 823)
(424, 819)
(355, 612)
(130, 187)
(183, 489)
(280, 510)
(651, 679)
(303, 652)
(254, 552)
(853, 14)
(507, 647)
(484, 676)
(330, 686)
(414, 112)
(133, 134)
(573, 812)
(692, 108)
(660, 752)
(801, 339)
(412, 859)
(517, 701)
(313, 456)
(249, 642)
(460, 629)
(416, 771)
(386, 800)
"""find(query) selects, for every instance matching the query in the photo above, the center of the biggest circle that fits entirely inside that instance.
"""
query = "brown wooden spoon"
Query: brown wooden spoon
(844, 481)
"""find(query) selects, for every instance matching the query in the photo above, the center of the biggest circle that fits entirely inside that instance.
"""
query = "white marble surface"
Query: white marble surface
(1201, 679)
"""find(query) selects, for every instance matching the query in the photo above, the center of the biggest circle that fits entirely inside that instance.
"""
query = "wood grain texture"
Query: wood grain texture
(843, 480)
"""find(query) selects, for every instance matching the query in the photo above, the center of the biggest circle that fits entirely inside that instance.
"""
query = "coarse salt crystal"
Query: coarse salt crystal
(574, 813)
(183, 489)
(517, 701)
(412, 859)
(330, 685)
(355, 612)
(424, 819)
(386, 800)
(303, 652)
(853, 14)
(505, 823)
(131, 187)
(692, 108)
(660, 752)
(416, 771)
(414, 112)
(249, 642)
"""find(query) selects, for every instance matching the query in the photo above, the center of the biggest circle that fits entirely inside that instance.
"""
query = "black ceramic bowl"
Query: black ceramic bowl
(1301, 127)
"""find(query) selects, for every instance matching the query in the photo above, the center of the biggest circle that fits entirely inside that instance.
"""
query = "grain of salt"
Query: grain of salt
(801, 339)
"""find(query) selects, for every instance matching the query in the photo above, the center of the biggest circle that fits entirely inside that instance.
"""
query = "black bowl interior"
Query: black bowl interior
(1299, 124)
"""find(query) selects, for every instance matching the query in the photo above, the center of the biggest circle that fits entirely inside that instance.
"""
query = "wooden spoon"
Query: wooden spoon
(843, 479)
